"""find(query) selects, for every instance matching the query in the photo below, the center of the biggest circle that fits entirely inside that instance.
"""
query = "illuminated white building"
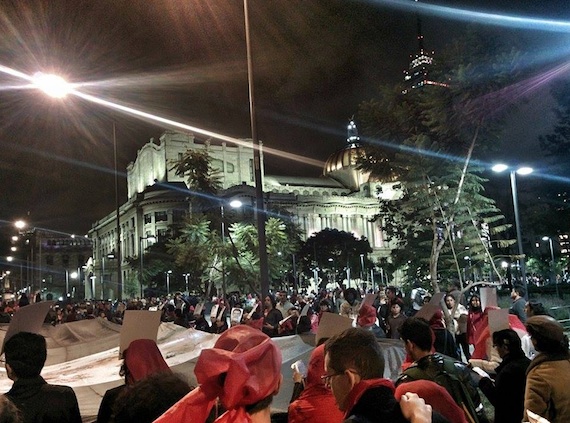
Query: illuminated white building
(342, 198)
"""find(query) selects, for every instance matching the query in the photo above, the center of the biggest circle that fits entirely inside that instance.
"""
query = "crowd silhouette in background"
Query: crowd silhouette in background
(452, 359)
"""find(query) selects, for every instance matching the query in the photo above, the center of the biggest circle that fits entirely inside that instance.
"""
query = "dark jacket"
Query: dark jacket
(273, 318)
(41, 402)
(105, 413)
(453, 375)
(507, 393)
(378, 405)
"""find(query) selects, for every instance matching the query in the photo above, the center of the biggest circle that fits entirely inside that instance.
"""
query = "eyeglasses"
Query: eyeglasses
(327, 378)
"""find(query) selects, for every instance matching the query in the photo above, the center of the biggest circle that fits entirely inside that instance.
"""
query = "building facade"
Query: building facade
(50, 263)
(342, 198)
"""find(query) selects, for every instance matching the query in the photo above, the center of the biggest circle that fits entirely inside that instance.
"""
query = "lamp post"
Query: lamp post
(552, 270)
(57, 87)
(362, 268)
(72, 275)
(186, 276)
(168, 273)
(118, 223)
(235, 204)
(259, 204)
(524, 170)
(21, 226)
(150, 238)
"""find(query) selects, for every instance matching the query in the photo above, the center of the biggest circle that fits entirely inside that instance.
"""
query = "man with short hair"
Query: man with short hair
(354, 369)
(453, 375)
(38, 401)
(519, 303)
(283, 304)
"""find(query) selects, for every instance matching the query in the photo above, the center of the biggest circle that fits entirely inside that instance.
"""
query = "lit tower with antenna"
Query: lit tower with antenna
(417, 74)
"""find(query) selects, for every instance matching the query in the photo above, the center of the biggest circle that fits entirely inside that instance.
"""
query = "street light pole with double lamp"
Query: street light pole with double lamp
(523, 170)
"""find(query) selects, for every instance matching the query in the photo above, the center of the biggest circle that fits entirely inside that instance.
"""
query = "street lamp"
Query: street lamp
(57, 87)
(362, 268)
(186, 276)
(53, 85)
(150, 238)
(524, 170)
(72, 275)
(168, 282)
(552, 270)
(259, 203)
(235, 204)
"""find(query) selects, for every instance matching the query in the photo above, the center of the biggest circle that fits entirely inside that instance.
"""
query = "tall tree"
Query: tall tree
(426, 138)
(333, 252)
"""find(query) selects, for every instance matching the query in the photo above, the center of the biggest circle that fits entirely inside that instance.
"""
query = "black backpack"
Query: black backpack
(443, 372)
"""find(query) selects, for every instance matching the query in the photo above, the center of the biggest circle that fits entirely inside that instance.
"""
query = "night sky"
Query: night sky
(315, 61)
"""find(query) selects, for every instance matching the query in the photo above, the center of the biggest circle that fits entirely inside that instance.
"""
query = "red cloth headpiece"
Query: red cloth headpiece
(243, 368)
(436, 321)
(142, 359)
(434, 395)
(366, 316)
(316, 366)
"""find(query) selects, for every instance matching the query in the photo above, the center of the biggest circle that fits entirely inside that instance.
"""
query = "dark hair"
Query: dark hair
(417, 330)
(272, 299)
(325, 302)
(9, 413)
(509, 338)
(536, 308)
(147, 399)
(356, 348)
(352, 291)
(392, 289)
(520, 290)
(26, 354)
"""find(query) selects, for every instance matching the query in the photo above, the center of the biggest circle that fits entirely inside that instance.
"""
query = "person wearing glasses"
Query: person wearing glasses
(354, 370)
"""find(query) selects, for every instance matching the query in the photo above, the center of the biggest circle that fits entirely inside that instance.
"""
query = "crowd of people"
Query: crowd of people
(452, 359)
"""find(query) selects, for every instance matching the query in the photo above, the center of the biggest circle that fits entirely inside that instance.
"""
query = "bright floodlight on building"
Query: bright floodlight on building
(236, 204)
(53, 85)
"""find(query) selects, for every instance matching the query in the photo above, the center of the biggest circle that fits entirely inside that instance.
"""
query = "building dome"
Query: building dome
(342, 165)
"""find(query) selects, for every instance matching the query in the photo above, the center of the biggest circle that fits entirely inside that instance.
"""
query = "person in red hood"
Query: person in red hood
(242, 371)
(141, 359)
(367, 320)
(316, 404)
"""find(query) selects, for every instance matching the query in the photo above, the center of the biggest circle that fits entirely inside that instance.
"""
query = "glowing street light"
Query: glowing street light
(53, 85)
(552, 263)
(523, 170)
(20, 224)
